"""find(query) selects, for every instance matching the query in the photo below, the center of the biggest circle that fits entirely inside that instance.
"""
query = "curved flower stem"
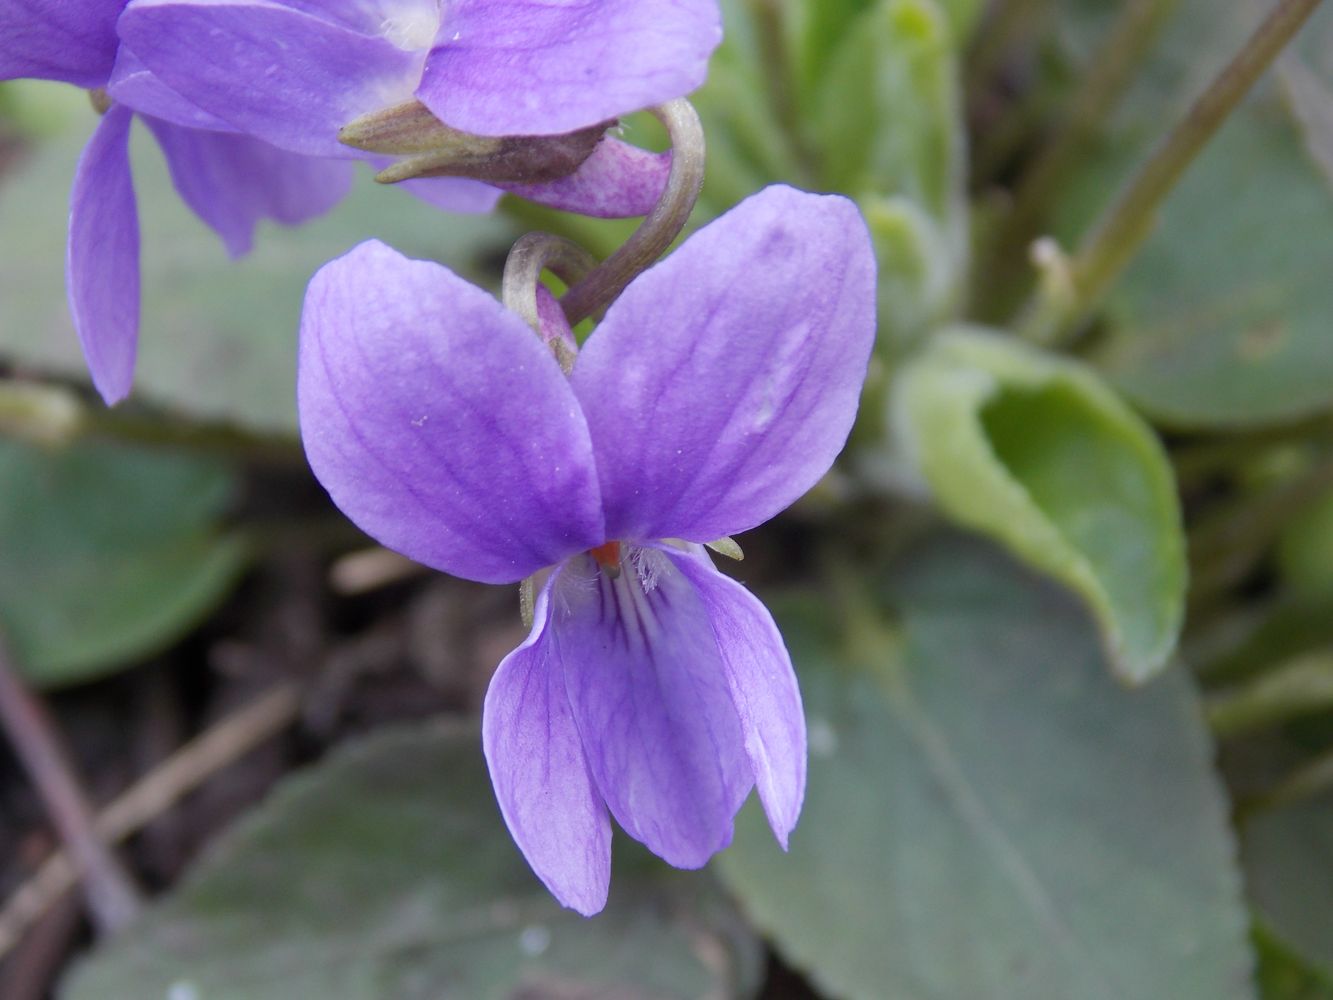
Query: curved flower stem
(600, 288)
(1120, 232)
(531, 255)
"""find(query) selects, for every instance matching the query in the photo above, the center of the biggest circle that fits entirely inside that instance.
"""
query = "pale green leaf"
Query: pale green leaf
(1035, 451)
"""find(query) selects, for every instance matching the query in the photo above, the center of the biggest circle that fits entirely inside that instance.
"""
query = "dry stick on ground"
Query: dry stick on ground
(113, 898)
(152, 795)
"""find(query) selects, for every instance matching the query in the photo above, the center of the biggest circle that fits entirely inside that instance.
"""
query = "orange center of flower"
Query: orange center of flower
(608, 557)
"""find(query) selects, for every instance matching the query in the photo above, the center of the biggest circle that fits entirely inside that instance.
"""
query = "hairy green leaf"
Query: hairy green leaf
(989, 814)
(386, 872)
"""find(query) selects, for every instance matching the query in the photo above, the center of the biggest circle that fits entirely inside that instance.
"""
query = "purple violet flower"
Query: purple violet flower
(294, 73)
(230, 181)
(717, 389)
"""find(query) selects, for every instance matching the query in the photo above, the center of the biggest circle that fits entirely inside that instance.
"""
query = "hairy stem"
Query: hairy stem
(601, 286)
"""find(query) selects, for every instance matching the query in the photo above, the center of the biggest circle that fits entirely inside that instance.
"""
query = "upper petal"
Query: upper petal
(616, 181)
(69, 40)
(438, 421)
(533, 67)
(540, 775)
(763, 688)
(102, 257)
(651, 701)
(724, 381)
(232, 181)
(285, 76)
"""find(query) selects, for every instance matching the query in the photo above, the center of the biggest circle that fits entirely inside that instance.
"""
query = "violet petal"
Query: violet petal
(532, 67)
(651, 700)
(439, 422)
(73, 41)
(102, 257)
(763, 688)
(232, 181)
(540, 774)
(617, 181)
(724, 381)
(281, 75)
(453, 194)
(133, 84)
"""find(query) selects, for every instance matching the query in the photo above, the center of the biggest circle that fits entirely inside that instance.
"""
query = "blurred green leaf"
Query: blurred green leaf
(1288, 856)
(888, 129)
(1222, 319)
(1305, 550)
(386, 872)
(865, 102)
(989, 814)
(218, 338)
(107, 554)
(901, 131)
(1284, 975)
(1036, 452)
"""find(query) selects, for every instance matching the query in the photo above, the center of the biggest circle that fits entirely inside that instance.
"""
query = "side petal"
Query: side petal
(617, 181)
(540, 775)
(282, 75)
(763, 689)
(453, 194)
(439, 422)
(134, 85)
(102, 257)
(651, 701)
(232, 181)
(73, 41)
(724, 381)
(531, 67)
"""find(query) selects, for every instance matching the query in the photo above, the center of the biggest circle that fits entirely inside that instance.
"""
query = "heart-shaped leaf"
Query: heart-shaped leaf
(386, 872)
(988, 813)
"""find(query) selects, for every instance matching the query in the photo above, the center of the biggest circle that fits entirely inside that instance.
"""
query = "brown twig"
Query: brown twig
(608, 279)
(149, 797)
(113, 898)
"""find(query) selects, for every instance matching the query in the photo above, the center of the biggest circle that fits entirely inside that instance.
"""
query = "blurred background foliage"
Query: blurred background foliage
(1063, 615)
